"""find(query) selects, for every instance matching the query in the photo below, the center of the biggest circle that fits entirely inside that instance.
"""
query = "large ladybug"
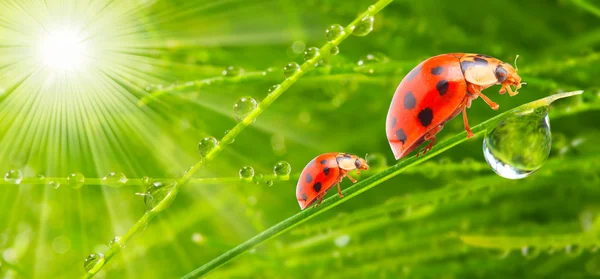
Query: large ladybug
(436, 91)
(324, 171)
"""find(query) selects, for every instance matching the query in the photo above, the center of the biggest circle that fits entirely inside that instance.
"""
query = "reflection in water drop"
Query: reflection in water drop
(13, 176)
(93, 262)
(519, 145)
(246, 172)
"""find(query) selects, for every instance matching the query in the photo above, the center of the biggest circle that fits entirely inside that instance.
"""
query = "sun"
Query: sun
(63, 49)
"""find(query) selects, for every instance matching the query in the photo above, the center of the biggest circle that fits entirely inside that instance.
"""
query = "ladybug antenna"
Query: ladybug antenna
(366, 155)
(516, 68)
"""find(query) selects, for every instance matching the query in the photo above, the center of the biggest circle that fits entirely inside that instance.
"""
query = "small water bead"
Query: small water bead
(155, 194)
(573, 250)
(243, 107)
(311, 53)
(334, 50)
(333, 32)
(93, 262)
(282, 168)
(206, 145)
(115, 242)
(273, 88)
(530, 252)
(76, 180)
(376, 161)
(13, 176)
(364, 27)
(233, 71)
(519, 145)
(146, 180)
(259, 178)
(114, 179)
(229, 141)
(290, 69)
(246, 172)
(41, 177)
(269, 183)
(372, 58)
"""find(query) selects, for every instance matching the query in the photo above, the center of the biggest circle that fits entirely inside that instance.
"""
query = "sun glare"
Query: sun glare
(63, 49)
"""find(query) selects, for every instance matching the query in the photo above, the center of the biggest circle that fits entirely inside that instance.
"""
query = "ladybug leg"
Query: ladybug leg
(430, 136)
(351, 178)
(340, 190)
(466, 122)
(319, 201)
(473, 89)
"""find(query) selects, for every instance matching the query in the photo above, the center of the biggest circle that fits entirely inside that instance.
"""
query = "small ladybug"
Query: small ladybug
(436, 91)
(324, 171)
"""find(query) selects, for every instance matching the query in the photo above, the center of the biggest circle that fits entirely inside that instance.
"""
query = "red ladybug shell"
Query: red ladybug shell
(430, 95)
(319, 175)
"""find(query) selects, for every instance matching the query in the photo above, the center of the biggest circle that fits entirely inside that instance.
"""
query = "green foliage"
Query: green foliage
(166, 75)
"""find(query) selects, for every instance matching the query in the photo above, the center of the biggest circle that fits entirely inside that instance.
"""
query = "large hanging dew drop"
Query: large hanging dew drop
(364, 27)
(246, 172)
(290, 69)
(114, 179)
(13, 176)
(282, 168)
(243, 107)
(333, 32)
(93, 263)
(519, 145)
(206, 145)
(155, 194)
(76, 180)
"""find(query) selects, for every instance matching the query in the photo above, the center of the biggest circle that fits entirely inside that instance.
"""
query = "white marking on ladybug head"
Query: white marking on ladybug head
(346, 162)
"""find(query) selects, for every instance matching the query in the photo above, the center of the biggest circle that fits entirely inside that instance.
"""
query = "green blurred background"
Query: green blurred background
(57, 121)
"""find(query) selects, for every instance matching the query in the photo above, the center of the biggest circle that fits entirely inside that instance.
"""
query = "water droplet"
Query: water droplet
(372, 58)
(114, 179)
(519, 145)
(364, 27)
(54, 184)
(298, 46)
(41, 177)
(290, 69)
(115, 242)
(282, 168)
(243, 107)
(75, 180)
(228, 141)
(246, 172)
(530, 252)
(342, 240)
(334, 50)
(93, 263)
(310, 53)
(233, 71)
(269, 183)
(333, 32)
(13, 176)
(206, 145)
(376, 161)
(156, 193)
(273, 88)
(197, 238)
(259, 178)
(573, 250)
(146, 180)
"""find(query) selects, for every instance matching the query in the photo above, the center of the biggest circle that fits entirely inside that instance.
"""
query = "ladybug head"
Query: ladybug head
(361, 164)
(507, 76)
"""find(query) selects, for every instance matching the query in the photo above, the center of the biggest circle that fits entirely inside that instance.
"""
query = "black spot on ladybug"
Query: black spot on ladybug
(413, 73)
(308, 178)
(326, 171)
(393, 122)
(409, 100)
(483, 56)
(480, 60)
(323, 162)
(400, 135)
(501, 74)
(442, 86)
(437, 70)
(425, 116)
(317, 187)
(464, 65)
(304, 197)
